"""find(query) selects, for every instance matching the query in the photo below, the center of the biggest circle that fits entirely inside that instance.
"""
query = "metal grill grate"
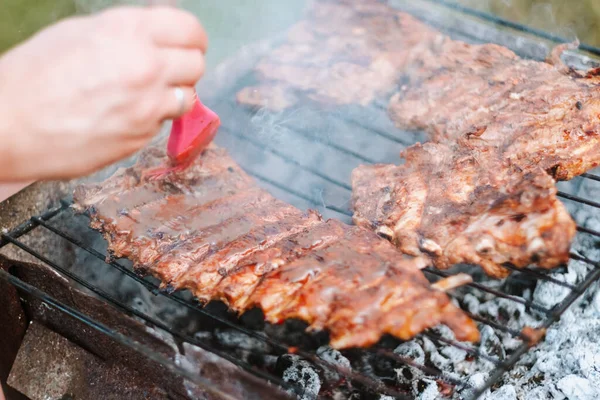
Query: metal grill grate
(303, 175)
(45, 221)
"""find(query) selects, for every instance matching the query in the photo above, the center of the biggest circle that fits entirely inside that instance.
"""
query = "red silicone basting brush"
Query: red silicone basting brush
(190, 134)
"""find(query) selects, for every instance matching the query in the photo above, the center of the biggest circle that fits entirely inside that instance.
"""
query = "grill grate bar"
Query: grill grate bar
(309, 199)
(274, 151)
(559, 309)
(579, 199)
(491, 291)
(588, 231)
(331, 144)
(379, 132)
(579, 257)
(458, 345)
(431, 371)
(29, 225)
(496, 325)
(281, 346)
(540, 275)
(143, 316)
(501, 370)
(118, 337)
(590, 176)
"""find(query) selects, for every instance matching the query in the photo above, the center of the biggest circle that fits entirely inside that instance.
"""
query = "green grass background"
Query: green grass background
(568, 18)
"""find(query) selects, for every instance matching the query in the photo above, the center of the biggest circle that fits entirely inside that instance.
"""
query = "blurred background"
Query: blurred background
(233, 23)
(230, 23)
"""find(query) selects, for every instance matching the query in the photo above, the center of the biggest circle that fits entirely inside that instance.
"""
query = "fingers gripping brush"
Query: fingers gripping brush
(190, 135)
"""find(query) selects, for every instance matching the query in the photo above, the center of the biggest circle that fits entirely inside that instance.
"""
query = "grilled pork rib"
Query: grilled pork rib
(486, 97)
(459, 206)
(503, 129)
(339, 54)
(211, 230)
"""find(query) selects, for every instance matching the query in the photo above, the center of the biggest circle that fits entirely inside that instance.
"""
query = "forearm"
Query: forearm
(13, 177)
(25, 155)
(13, 166)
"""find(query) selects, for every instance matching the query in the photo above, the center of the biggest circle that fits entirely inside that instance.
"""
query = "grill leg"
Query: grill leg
(13, 324)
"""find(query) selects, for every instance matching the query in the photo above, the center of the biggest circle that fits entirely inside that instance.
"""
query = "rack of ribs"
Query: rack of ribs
(537, 114)
(502, 130)
(338, 54)
(459, 206)
(211, 230)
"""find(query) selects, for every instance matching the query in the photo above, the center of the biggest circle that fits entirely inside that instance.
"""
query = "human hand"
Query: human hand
(89, 91)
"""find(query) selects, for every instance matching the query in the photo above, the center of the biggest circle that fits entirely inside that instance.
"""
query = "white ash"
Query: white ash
(506, 392)
(431, 390)
(203, 336)
(302, 374)
(563, 366)
(238, 340)
(407, 375)
(570, 349)
(242, 345)
(576, 387)
(333, 357)
(475, 381)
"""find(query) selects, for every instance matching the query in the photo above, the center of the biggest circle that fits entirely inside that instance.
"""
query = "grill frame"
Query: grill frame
(44, 221)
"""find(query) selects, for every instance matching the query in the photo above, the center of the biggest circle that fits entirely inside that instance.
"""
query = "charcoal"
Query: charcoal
(293, 333)
(506, 392)
(253, 319)
(334, 357)
(301, 374)
(426, 389)
(406, 374)
(411, 350)
(491, 344)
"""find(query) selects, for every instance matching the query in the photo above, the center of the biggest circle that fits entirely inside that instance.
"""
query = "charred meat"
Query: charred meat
(211, 230)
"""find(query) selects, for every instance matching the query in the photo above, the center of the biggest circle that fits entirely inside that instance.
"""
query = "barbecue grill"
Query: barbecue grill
(303, 156)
